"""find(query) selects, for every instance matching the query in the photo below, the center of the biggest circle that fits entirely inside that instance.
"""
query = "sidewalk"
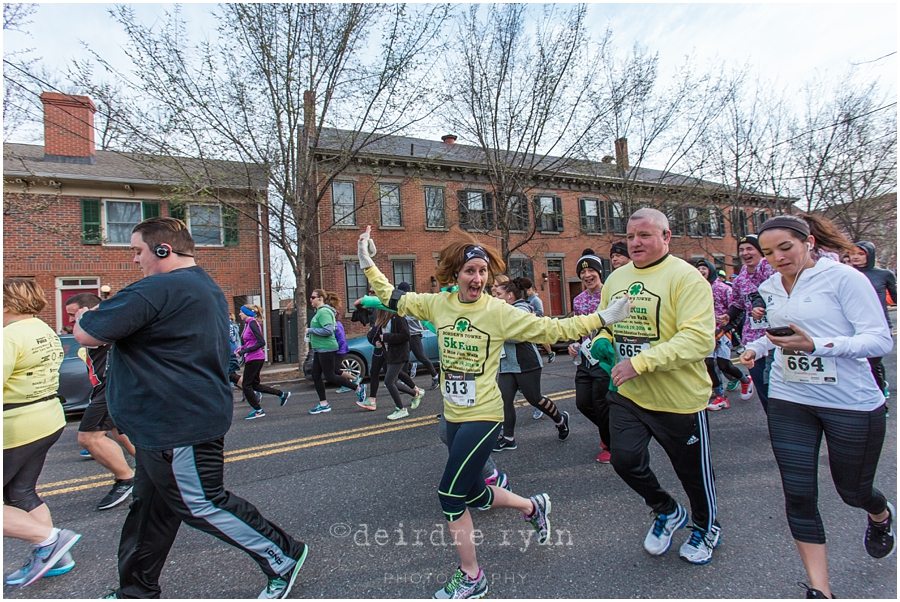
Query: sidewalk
(281, 372)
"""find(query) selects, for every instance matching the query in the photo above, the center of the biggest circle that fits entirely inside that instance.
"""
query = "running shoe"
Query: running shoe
(63, 566)
(44, 558)
(887, 391)
(435, 382)
(357, 380)
(254, 414)
(880, 536)
(563, 427)
(284, 397)
(413, 369)
(733, 385)
(360, 392)
(85, 455)
(551, 356)
(462, 586)
(420, 393)
(398, 414)
(540, 517)
(280, 587)
(120, 491)
(498, 479)
(814, 594)
(320, 408)
(111, 595)
(368, 404)
(343, 389)
(747, 389)
(504, 443)
(659, 537)
(698, 549)
(537, 414)
(604, 457)
(719, 402)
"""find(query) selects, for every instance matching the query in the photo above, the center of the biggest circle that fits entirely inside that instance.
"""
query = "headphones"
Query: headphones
(163, 250)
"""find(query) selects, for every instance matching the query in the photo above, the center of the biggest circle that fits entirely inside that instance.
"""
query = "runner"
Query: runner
(394, 341)
(470, 325)
(591, 382)
(862, 257)
(253, 350)
(96, 421)
(663, 386)
(538, 306)
(416, 331)
(743, 291)
(820, 385)
(618, 255)
(520, 370)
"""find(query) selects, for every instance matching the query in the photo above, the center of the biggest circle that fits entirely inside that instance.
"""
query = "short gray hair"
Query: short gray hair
(656, 216)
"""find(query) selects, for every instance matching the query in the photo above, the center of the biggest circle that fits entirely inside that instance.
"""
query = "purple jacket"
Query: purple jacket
(254, 347)
(743, 286)
(341, 338)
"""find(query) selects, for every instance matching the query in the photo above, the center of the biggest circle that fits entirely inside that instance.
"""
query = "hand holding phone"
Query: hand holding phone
(780, 331)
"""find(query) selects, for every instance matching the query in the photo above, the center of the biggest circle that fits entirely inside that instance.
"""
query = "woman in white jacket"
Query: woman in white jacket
(821, 384)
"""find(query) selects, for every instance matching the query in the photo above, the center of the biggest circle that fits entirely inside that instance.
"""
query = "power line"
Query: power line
(831, 125)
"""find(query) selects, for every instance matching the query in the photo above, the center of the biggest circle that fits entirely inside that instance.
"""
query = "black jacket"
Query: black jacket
(396, 341)
(882, 280)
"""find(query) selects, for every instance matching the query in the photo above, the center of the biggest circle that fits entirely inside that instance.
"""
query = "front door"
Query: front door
(554, 283)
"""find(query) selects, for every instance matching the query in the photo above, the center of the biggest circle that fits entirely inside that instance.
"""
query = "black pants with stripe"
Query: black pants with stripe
(185, 485)
(854, 447)
(685, 439)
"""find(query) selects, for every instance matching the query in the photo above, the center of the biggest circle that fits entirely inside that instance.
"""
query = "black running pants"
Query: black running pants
(252, 383)
(591, 386)
(324, 369)
(418, 350)
(529, 383)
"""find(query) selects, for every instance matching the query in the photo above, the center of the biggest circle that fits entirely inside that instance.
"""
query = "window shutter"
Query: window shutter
(90, 221)
(230, 225)
(557, 207)
(149, 209)
(488, 211)
(177, 210)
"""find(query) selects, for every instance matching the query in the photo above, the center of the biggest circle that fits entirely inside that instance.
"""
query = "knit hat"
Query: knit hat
(619, 248)
(588, 260)
(750, 239)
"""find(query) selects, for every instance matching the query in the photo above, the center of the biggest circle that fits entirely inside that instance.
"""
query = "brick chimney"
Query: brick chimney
(68, 128)
(448, 138)
(622, 153)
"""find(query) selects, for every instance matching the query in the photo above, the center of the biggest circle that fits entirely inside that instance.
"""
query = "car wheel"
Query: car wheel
(354, 364)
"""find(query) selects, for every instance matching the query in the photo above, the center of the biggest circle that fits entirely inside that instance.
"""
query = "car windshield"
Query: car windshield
(70, 345)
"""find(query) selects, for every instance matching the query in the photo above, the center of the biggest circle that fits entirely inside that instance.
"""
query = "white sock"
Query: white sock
(54, 535)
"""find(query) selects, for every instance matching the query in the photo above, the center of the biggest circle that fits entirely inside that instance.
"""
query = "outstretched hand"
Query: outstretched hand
(617, 311)
(365, 248)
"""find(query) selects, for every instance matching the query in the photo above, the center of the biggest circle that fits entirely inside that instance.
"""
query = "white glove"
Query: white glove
(365, 249)
(617, 311)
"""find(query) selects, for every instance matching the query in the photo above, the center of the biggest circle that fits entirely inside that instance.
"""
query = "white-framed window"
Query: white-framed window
(389, 201)
(343, 202)
(618, 217)
(434, 207)
(517, 213)
(716, 222)
(120, 219)
(355, 279)
(205, 224)
(591, 216)
(476, 210)
(549, 209)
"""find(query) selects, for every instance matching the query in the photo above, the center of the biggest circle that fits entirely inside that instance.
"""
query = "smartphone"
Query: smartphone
(780, 331)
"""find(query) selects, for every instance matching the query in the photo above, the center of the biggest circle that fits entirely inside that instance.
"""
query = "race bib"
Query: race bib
(759, 324)
(585, 351)
(628, 347)
(801, 368)
(459, 389)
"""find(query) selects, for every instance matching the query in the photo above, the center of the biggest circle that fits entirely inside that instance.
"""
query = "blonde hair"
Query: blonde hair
(332, 299)
(451, 259)
(23, 296)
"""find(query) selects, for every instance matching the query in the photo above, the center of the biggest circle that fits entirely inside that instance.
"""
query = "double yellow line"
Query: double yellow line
(270, 449)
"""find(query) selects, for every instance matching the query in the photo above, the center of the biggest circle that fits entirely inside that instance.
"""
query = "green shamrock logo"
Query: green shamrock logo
(635, 289)
(462, 325)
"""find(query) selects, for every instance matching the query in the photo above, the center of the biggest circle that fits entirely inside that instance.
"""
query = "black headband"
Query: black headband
(788, 222)
(474, 252)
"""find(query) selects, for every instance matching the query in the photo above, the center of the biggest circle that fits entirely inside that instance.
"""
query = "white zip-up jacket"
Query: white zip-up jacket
(835, 305)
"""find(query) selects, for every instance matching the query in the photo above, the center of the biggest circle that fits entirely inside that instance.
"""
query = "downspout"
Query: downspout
(262, 279)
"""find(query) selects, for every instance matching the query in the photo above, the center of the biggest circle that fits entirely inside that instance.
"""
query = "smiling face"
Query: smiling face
(647, 241)
(704, 271)
(590, 279)
(749, 255)
(472, 279)
(786, 253)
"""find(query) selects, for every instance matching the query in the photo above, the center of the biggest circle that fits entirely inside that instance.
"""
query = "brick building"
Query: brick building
(69, 210)
(419, 194)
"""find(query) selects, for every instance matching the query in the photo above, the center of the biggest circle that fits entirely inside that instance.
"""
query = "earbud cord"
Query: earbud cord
(800, 271)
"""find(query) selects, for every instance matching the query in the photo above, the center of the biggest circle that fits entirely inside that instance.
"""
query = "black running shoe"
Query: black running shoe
(563, 427)
(880, 537)
(814, 594)
(118, 494)
(504, 443)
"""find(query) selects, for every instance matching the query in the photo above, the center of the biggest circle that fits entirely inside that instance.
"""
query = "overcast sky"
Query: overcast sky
(782, 44)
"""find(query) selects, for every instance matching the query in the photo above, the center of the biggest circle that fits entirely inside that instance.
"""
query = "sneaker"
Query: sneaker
(659, 537)
(63, 566)
(360, 392)
(435, 382)
(111, 595)
(320, 408)
(398, 414)
(280, 587)
(563, 427)
(420, 393)
(462, 586)
(498, 479)
(604, 457)
(118, 494)
(747, 389)
(254, 414)
(343, 389)
(368, 404)
(45, 558)
(85, 455)
(537, 414)
(285, 395)
(540, 518)
(551, 356)
(504, 443)
(698, 549)
(357, 380)
(719, 402)
(413, 369)
(887, 392)
(814, 594)
(733, 385)
(880, 537)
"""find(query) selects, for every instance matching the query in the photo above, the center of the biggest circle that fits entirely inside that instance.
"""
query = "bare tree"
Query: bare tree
(275, 85)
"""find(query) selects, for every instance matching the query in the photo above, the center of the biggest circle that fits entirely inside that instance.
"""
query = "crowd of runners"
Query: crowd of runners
(657, 345)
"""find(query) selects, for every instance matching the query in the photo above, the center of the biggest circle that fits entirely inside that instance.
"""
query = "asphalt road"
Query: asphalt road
(362, 492)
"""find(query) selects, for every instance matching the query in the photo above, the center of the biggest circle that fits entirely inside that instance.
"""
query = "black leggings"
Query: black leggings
(726, 366)
(854, 445)
(591, 387)
(375, 370)
(878, 372)
(251, 383)
(529, 383)
(418, 350)
(394, 387)
(324, 368)
(470, 445)
(21, 468)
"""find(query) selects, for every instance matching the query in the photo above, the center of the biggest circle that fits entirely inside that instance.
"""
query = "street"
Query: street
(362, 492)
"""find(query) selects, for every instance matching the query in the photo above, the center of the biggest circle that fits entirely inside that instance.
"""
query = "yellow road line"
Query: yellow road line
(278, 447)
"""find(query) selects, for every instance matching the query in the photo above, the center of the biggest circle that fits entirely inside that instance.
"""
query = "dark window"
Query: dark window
(357, 285)
(675, 216)
(520, 266)
(618, 217)
(404, 271)
(343, 203)
(591, 212)
(475, 210)
(389, 196)
(517, 213)
(434, 207)
(121, 218)
(548, 211)
(205, 224)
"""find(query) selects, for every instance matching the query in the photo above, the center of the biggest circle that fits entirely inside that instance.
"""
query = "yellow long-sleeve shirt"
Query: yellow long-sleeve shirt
(470, 339)
(668, 334)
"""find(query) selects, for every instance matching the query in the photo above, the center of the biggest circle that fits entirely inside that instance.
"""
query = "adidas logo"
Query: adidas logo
(692, 440)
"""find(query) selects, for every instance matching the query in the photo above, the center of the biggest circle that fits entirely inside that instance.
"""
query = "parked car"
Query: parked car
(74, 383)
(359, 355)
